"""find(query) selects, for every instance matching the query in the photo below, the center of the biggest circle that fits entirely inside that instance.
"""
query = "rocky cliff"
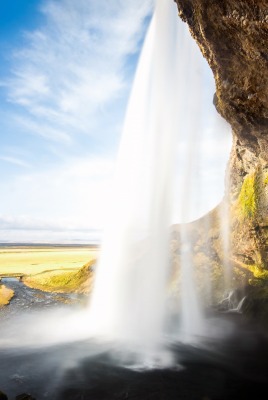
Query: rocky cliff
(233, 37)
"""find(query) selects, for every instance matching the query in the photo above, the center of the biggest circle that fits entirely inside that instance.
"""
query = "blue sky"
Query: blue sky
(65, 75)
(66, 69)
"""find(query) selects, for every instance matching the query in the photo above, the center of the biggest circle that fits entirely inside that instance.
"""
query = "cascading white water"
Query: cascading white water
(226, 244)
(191, 319)
(190, 123)
(129, 300)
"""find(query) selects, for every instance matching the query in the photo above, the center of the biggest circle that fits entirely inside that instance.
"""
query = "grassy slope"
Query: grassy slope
(64, 280)
(54, 269)
(6, 295)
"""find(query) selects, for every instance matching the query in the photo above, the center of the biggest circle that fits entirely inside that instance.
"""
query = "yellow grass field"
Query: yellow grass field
(33, 260)
(6, 295)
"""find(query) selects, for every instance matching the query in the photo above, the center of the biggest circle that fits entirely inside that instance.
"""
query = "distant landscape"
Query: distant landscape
(48, 267)
(36, 258)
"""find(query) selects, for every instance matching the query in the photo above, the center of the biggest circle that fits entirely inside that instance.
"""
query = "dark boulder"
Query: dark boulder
(3, 396)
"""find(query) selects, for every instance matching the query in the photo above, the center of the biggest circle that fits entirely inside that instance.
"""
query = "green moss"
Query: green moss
(258, 273)
(248, 197)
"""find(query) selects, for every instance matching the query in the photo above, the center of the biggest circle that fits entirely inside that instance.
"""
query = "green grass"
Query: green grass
(63, 281)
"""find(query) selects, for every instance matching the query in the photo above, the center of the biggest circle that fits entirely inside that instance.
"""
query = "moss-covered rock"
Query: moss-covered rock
(249, 218)
(248, 197)
(224, 250)
(232, 35)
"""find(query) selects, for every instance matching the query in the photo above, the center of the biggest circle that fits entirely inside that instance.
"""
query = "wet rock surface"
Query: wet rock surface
(233, 37)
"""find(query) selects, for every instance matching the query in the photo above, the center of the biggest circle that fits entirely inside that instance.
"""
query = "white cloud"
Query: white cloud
(49, 236)
(63, 79)
(44, 130)
(73, 65)
(15, 161)
(70, 197)
(62, 82)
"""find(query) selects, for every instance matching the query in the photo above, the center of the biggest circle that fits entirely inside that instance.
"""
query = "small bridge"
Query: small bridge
(10, 276)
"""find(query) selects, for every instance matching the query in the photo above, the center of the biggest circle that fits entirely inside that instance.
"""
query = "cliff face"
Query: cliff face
(233, 36)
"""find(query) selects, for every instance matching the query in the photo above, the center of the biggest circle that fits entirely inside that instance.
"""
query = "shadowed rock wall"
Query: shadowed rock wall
(233, 37)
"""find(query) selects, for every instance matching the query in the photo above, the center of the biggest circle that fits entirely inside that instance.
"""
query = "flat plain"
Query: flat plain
(35, 259)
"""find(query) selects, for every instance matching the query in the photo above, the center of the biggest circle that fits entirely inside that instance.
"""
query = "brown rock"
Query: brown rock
(233, 36)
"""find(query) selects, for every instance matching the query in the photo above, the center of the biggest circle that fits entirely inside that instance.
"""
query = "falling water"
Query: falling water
(226, 242)
(191, 320)
(129, 301)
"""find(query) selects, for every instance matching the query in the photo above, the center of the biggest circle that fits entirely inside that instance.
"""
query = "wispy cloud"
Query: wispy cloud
(15, 161)
(45, 130)
(66, 86)
(71, 196)
(73, 65)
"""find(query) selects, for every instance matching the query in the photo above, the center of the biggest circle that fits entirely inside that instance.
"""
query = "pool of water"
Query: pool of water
(234, 366)
(41, 354)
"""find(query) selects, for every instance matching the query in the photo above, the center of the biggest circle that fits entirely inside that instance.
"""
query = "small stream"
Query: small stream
(26, 298)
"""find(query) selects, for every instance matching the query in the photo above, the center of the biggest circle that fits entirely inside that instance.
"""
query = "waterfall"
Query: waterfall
(130, 297)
